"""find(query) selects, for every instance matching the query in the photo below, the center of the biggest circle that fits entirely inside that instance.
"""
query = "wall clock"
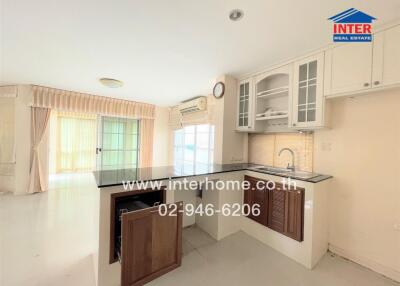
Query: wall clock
(219, 89)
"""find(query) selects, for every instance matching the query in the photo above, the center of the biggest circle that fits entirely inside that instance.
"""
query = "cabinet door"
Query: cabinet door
(260, 197)
(276, 215)
(308, 98)
(247, 195)
(386, 61)
(257, 195)
(348, 68)
(294, 214)
(286, 211)
(151, 244)
(245, 114)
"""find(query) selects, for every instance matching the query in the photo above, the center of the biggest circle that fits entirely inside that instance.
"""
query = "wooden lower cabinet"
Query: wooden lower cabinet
(276, 210)
(294, 214)
(257, 195)
(146, 243)
(282, 209)
(151, 244)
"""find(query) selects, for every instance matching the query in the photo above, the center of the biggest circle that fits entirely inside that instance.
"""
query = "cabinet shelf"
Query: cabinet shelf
(275, 92)
(272, 117)
(274, 114)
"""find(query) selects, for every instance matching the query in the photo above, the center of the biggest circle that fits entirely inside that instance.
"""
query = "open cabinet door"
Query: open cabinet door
(151, 244)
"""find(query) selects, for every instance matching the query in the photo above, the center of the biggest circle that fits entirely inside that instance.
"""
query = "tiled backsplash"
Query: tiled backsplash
(264, 149)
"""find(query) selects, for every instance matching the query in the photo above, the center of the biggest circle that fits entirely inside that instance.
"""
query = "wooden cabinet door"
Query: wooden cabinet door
(247, 194)
(151, 244)
(294, 214)
(386, 61)
(348, 68)
(260, 197)
(276, 215)
(257, 195)
(286, 211)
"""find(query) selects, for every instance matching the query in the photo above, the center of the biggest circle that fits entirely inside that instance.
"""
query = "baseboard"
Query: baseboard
(366, 262)
(95, 260)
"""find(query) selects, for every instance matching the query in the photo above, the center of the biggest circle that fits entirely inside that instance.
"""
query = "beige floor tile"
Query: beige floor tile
(47, 239)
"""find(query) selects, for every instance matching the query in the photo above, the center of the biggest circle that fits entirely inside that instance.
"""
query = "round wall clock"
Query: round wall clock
(219, 89)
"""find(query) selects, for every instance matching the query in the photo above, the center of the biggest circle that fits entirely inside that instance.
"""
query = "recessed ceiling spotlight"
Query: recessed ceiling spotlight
(236, 15)
(110, 82)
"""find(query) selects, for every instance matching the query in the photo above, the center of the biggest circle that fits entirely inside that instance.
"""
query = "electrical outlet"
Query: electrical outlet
(396, 226)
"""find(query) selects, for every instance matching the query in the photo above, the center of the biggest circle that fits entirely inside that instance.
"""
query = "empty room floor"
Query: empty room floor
(49, 239)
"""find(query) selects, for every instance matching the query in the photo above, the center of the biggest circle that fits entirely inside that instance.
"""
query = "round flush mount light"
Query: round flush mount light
(110, 82)
(236, 15)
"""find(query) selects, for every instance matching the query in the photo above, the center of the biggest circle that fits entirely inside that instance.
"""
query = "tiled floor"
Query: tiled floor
(47, 239)
(242, 260)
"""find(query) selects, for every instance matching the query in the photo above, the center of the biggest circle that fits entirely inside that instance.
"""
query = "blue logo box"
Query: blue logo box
(352, 38)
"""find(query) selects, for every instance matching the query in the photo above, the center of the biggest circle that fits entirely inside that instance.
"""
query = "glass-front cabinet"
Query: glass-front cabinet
(308, 100)
(245, 116)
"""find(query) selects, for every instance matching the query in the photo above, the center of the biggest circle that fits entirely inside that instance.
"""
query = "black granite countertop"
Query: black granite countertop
(108, 178)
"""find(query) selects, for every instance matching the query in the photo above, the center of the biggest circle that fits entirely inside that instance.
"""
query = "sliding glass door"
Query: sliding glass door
(118, 143)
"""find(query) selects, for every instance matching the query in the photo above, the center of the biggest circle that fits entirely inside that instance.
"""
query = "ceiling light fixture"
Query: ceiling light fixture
(110, 82)
(236, 15)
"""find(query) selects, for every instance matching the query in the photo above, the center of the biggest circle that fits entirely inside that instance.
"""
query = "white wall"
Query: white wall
(161, 139)
(230, 146)
(7, 141)
(18, 178)
(362, 152)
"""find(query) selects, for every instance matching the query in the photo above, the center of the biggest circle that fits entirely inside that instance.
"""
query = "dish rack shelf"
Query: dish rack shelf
(274, 92)
(271, 117)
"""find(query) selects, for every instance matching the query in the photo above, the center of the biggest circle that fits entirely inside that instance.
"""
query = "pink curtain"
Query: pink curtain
(64, 100)
(38, 175)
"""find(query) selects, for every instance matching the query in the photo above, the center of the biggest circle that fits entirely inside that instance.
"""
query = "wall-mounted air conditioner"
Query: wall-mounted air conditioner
(197, 104)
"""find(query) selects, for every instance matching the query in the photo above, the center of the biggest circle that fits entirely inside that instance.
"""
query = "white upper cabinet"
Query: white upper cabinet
(360, 67)
(245, 114)
(272, 94)
(348, 68)
(386, 61)
(294, 96)
(308, 97)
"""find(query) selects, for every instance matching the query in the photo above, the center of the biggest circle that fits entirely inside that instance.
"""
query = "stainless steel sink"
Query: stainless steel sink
(286, 172)
(273, 169)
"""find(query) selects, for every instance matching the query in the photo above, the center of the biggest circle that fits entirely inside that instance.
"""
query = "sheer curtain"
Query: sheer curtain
(74, 140)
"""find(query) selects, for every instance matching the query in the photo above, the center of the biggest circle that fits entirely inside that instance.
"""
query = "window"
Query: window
(75, 149)
(120, 143)
(194, 148)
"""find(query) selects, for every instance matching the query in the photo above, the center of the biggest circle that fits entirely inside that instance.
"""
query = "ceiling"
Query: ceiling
(164, 51)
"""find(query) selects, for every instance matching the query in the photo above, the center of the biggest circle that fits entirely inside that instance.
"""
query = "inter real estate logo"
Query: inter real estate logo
(352, 26)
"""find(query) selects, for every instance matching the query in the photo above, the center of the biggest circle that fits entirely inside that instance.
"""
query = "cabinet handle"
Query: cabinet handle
(294, 124)
(377, 82)
(366, 84)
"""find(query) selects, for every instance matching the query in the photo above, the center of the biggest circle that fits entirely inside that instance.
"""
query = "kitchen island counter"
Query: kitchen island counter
(109, 178)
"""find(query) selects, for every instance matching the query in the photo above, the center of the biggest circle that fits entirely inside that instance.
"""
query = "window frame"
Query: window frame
(194, 163)
(123, 164)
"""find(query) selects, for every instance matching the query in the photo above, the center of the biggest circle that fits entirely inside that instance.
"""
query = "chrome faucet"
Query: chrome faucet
(292, 168)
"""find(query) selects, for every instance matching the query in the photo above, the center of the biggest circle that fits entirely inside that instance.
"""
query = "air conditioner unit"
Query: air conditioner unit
(197, 104)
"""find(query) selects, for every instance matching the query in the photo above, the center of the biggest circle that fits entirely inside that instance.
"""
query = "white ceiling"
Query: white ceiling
(165, 51)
